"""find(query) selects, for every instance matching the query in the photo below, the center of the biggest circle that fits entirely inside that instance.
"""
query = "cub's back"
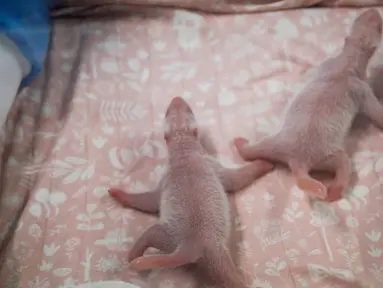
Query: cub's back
(194, 200)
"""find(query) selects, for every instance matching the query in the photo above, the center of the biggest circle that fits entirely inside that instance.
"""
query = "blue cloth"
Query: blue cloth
(27, 24)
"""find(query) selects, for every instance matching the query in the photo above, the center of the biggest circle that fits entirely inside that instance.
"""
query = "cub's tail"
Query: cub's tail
(220, 268)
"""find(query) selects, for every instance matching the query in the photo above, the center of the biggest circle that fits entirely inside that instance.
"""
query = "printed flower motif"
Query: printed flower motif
(323, 216)
(35, 231)
(39, 283)
(12, 281)
(71, 243)
(347, 241)
(351, 222)
(292, 253)
(271, 232)
(111, 263)
(275, 267)
(23, 251)
(377, 271)
(268, 200)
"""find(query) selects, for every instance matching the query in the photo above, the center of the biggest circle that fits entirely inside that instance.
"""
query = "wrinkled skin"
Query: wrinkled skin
(194, 224)
(318, 120)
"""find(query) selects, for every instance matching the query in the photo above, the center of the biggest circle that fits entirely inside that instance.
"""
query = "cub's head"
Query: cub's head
(366, 31)
(180, 122)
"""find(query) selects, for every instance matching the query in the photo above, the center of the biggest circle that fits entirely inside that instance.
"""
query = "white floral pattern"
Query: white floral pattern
(102, 128)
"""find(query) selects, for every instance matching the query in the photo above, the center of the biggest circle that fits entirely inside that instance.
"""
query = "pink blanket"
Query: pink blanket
(93, 121)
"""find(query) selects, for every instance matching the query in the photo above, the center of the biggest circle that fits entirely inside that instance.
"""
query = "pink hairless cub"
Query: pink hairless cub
(318, 120)
(194, 224)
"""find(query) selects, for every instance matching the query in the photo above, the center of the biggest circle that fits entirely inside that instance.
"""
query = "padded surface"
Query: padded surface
(100, 115)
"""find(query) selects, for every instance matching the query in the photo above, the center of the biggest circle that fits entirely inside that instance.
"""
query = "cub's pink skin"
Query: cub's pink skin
(194, 224)
(318, 120)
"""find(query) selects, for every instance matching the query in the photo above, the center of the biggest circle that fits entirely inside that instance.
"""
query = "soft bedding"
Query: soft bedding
(93, 121)
(86, 7)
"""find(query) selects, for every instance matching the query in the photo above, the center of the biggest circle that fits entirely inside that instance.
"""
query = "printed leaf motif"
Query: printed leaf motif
(147, 150)
(61, 272)
(97, 226)
(72, 177)
(98, 215)
(134, 64)
(364, 162)
(145, 75)
(82, 217)
(360, 192)
(42, 195)
(375, 252)
(272, 272)
(62, 164)
(344, 204)
(113, 46)
(135, 86)
(178, 71)
(109, 65)
(373, 235)
(99, 142)
(57, 172)
(267, 126)
(317, 272)
(45, 266)
(76, 161)
(35, 210)
(238, 226)
(282, 265)
(89, 226)
(351, 222)
(366, 170)
(286, 29)
(100, 191)
(50, 250)
(39, 283)
(121, 111)
(56, 198)
(161, 149)
(316, 252)
(88, 173)
(291, 214)
(226, 97)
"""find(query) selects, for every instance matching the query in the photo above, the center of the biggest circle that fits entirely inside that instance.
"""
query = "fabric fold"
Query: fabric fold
(82, 8)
